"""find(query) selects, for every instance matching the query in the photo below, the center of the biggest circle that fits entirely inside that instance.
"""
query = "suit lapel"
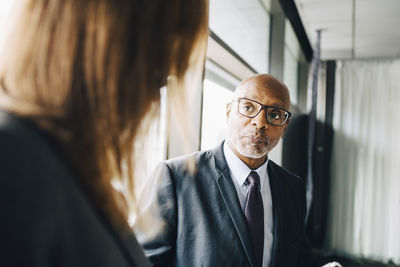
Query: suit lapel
(276, 209)
(231, 201)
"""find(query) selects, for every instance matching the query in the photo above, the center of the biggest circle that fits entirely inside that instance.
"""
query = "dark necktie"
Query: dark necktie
(254, 213)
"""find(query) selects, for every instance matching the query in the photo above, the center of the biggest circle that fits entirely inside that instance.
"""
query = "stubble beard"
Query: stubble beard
(253, 151)
(246, 147)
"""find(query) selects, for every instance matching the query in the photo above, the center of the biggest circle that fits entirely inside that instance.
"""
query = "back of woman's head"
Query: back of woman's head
(88, 71)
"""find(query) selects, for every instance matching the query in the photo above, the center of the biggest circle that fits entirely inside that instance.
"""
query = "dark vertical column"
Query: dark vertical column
(302, 93)
(322, 160)
(277, 45)
(291, 13)
(312, 120)
(330, 90)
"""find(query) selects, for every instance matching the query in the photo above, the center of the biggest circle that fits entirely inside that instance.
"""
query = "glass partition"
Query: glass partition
(244, 27)
(217, 92)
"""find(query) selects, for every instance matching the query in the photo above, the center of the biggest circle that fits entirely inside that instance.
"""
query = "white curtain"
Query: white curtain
(365, 197)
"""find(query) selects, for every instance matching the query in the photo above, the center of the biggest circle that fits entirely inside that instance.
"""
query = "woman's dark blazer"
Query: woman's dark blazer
(46, 217)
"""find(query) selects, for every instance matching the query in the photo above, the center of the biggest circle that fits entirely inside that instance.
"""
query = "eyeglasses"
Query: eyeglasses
(251, 108)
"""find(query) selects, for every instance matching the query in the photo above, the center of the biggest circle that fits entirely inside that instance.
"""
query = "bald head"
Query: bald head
(264, 82)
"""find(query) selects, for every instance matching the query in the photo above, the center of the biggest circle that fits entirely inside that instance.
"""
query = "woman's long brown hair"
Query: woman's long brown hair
(88, 71)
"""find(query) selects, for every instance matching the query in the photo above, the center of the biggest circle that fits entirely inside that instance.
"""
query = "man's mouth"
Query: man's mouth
(257, 139)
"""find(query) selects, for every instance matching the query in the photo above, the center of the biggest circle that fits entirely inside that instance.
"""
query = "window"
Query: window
(244, 27)
(217, 92)
(5, 9)
(292, 54)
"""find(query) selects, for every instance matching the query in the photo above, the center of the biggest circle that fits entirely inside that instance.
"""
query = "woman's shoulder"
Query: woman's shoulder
(27, 156)
(33, 176)
(44, 208)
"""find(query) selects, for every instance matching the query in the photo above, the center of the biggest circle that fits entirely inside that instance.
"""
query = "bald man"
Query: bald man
(238, 208)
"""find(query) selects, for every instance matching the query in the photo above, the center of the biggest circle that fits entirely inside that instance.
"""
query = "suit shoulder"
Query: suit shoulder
(199, 157)
(291, 177)
(191, 165)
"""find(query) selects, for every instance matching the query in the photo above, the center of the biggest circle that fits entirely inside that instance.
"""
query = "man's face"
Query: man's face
(253, 138)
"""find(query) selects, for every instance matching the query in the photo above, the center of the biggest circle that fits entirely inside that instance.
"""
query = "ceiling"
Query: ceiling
(353, 28)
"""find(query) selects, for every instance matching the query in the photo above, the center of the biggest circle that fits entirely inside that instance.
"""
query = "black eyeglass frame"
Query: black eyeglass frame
(263, 107)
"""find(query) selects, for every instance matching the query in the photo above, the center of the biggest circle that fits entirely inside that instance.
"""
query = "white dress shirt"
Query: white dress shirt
(239, 172)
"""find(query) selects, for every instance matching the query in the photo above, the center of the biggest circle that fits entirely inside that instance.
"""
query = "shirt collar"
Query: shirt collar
(239, 170)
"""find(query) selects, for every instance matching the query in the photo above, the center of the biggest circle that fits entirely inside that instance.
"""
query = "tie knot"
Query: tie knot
(253, 178)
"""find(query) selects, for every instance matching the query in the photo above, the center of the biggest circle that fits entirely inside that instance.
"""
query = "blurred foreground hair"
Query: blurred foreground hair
(88, 72)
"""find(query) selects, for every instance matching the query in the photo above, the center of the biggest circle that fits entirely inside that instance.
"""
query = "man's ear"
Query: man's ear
(286, 125)
(228, 109)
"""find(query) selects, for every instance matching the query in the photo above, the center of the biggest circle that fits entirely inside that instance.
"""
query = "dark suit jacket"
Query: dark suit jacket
(46, 218)
(204, 222)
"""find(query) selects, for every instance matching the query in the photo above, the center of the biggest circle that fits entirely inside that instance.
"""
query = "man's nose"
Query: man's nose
(260, 121)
